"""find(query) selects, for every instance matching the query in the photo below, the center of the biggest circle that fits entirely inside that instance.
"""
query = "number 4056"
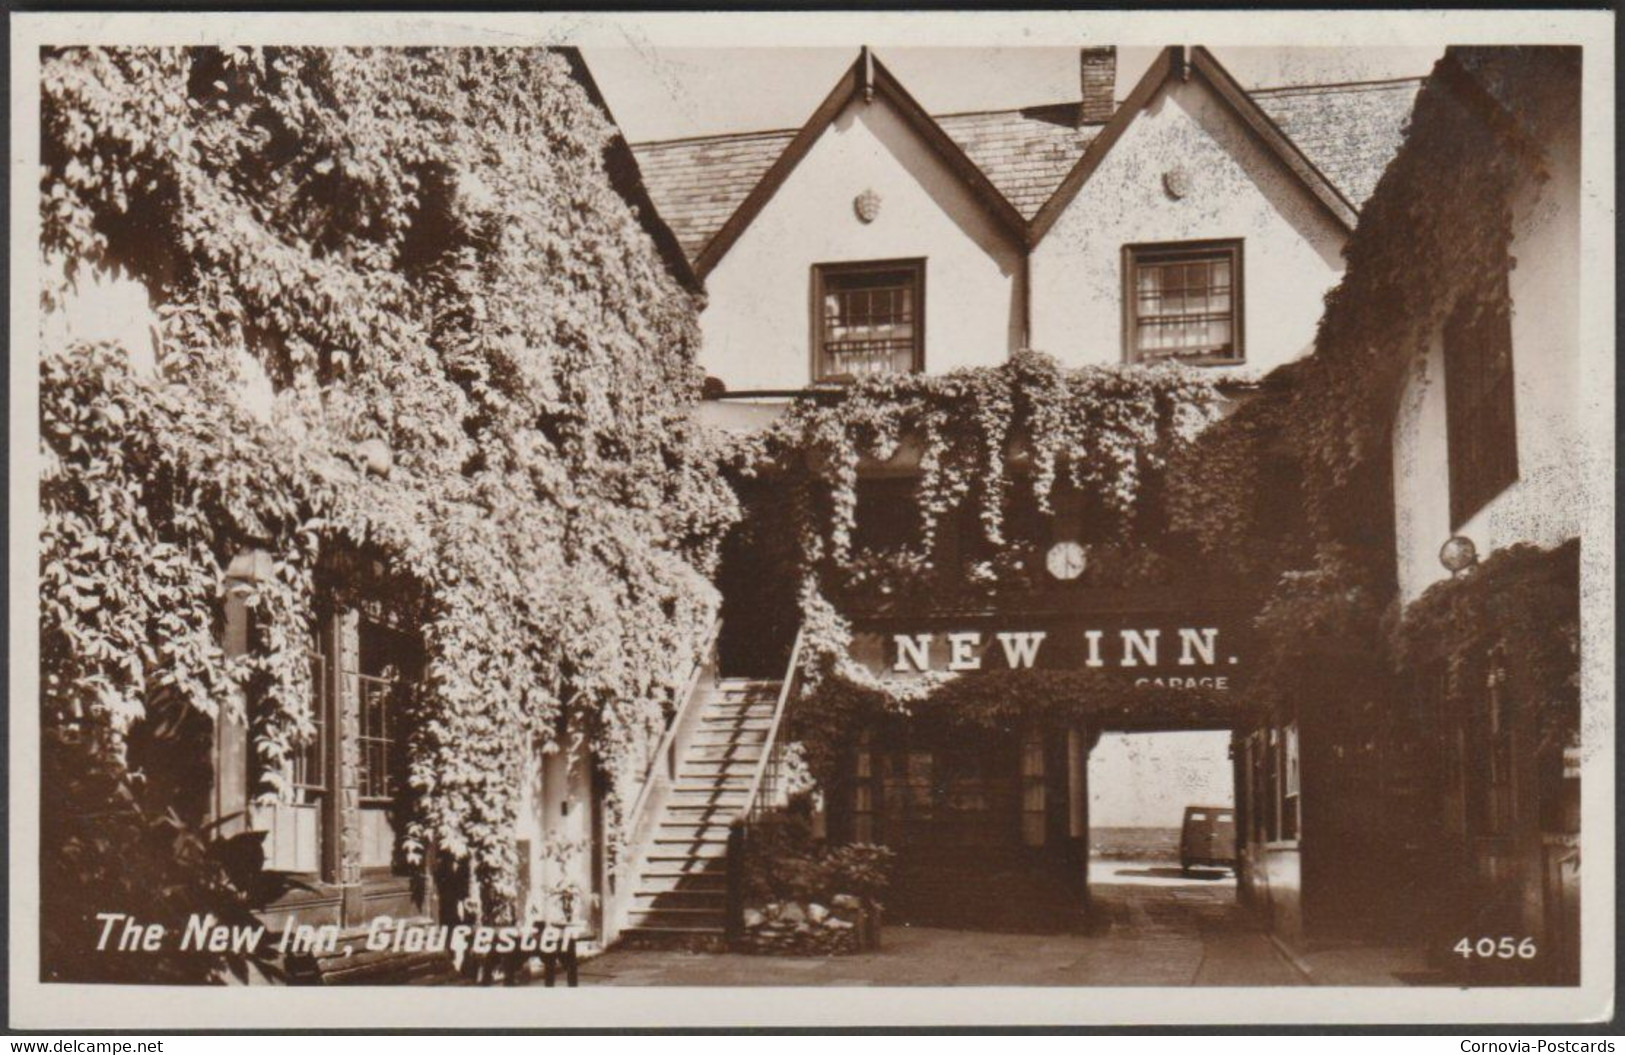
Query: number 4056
(1491, 948)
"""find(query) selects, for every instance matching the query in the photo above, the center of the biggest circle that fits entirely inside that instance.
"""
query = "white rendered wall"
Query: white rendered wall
(1291, 246)
(1547, 504)
(758, 324)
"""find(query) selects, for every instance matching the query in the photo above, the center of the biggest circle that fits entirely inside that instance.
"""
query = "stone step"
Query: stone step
(667, 929)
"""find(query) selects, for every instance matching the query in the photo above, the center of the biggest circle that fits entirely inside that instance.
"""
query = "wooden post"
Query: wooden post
(1077, 785)
(346, 809)
(733, 925)
(228, 800)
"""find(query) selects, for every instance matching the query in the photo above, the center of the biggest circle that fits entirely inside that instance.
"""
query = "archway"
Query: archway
(1162, 813)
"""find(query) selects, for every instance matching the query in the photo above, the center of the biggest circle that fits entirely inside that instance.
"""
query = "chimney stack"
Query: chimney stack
(1099, 70)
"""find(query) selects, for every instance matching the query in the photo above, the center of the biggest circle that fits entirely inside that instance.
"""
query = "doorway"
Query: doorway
(967, 813)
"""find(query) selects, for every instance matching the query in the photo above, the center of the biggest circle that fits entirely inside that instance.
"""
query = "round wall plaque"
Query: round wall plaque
(867, 206)
(1177, 182)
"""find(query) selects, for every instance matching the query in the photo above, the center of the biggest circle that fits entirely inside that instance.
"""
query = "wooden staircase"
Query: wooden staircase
(680, 892)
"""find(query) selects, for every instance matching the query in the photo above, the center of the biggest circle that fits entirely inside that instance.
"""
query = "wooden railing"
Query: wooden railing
(762, 796)
(661, 772)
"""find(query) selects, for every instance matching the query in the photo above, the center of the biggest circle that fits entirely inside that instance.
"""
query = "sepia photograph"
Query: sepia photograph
(677, 502)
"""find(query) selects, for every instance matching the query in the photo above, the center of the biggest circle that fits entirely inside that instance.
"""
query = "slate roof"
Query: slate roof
(1348, 131)
(1024, 152)
(698, 183)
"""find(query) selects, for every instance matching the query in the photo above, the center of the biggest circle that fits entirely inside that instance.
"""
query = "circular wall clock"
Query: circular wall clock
(1066, 560)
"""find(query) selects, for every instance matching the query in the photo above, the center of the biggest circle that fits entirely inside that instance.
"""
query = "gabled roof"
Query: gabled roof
(1024, 152)
(1349, 131)
(621, 164)
(870, 78)
(699, 183)
(1026, 165)
(1173, 62)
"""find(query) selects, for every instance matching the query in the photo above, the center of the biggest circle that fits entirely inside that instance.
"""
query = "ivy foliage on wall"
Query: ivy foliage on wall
(1517, 613)
(980, 443)
(1434, 239)
(419, 247)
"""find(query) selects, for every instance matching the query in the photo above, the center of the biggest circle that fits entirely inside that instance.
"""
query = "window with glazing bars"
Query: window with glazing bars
(1183, 302)
(308, 770)
(1480, 420)
(868, 319)
(377, 738)
(389, 664)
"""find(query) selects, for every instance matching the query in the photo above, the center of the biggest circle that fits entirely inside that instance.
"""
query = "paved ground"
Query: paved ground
(1151, 926)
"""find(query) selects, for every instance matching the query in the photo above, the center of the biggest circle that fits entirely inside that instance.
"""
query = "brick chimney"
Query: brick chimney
(1099, 69)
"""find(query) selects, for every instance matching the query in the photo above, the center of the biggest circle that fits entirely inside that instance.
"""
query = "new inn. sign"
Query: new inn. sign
(1193, 654)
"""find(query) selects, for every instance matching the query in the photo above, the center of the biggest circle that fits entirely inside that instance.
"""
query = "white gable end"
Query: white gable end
(758, 324)
(1231, 188)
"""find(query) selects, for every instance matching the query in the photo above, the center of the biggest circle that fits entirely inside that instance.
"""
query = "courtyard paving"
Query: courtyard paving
(1150, 926)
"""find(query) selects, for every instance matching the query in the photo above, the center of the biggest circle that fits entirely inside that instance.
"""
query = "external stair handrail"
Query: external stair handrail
(668, 741)
(739, 827)
(791, 678)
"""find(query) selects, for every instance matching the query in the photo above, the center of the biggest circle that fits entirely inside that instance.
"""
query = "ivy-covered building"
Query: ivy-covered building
(1450, 361)
(962, 559)
(375, 531)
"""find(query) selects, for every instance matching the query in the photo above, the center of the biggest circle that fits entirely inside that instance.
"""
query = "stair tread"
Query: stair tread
(713, 895)
(686, 857)
(657, 929)
(694, 840)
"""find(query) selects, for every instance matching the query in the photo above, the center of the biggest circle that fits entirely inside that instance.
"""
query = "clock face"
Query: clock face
(1066, 560)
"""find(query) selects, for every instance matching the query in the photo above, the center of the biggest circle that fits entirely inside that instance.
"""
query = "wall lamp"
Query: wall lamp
(1458, 554)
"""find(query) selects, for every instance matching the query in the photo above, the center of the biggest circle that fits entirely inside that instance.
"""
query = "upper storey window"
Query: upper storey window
(868, 319)
(1182, 302)
(1480, 422)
